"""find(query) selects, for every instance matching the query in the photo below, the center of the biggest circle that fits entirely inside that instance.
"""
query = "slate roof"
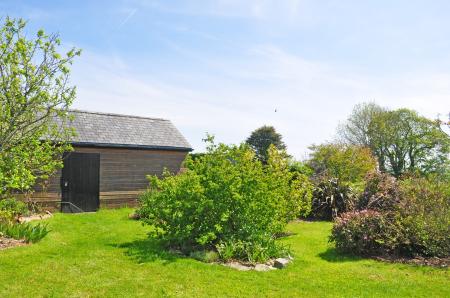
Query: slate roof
(115, 130)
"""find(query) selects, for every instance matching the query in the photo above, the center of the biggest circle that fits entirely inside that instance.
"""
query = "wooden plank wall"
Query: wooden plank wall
(122, 175)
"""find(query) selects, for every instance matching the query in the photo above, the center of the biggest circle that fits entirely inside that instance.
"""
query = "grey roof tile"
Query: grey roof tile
(125, 130)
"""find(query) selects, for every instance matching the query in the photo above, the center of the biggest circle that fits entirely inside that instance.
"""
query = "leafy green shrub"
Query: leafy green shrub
(17, 207)
(300, 168)
(207, 256)
(226, 198)
(195, 156)
(11, 209)
(6, 217)
(26, 231)
(331, 198)
(259, 250)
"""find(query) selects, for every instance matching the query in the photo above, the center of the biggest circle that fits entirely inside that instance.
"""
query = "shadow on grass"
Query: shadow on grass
(147, 250)
(285, 235)
(332, 255)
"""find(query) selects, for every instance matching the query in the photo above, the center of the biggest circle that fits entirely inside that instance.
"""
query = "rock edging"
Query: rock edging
(279, 263)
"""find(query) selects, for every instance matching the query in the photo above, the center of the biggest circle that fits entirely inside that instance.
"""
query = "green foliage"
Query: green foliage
(195, 156)
(6, 216)
(11, 209)
(409, 217)
(207, 256)
(409, 142)
(301, 168)
(339, 172)
(331, 198)
(402, 140)
(26, 231)
(226, 198)
(256, 251)
(348, 163)
(262, 138)
(425, 213)
(34, 79)
(28, 162)
(355, 130)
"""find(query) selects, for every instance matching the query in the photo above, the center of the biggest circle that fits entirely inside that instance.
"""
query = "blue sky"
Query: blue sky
(224, 67)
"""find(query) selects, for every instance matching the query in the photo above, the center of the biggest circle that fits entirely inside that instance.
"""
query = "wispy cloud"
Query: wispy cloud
(130, 14)
(225, 66)
(310, 97)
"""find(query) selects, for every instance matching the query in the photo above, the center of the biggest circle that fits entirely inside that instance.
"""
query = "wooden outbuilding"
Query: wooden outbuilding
(112, 156)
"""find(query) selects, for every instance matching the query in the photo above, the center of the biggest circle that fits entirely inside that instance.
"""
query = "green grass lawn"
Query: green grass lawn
(105, 254)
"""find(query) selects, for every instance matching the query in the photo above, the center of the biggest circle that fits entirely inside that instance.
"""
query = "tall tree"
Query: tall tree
(409, 142)
(356, 129)
(402, 140)
(34, 91)
(261, 139)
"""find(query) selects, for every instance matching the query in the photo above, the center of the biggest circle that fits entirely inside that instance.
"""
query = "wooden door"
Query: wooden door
(80, 182)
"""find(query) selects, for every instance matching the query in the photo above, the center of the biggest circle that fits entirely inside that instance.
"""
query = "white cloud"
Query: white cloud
(239, 96)
(129, 15)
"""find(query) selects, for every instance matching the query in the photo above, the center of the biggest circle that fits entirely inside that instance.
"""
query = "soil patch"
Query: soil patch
(10, 242)
(419, 261)
(35, 217)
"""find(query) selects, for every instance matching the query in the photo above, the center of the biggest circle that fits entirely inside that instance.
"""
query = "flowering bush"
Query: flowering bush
(408, 218)
(227, 200)
(425, 213)
(382, 193)
(366, 232)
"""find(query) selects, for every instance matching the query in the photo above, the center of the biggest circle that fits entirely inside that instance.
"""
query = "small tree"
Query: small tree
(261, 139)
(348, 163)
(34, 93)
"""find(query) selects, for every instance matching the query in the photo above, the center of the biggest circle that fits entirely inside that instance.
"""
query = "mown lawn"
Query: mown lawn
(105, 254)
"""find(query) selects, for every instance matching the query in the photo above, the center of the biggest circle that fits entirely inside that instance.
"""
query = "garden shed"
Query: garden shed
(112, 156)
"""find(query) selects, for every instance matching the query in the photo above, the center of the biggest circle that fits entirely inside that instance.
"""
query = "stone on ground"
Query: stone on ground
(263, 267)
(281, 263)
(238, 266)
